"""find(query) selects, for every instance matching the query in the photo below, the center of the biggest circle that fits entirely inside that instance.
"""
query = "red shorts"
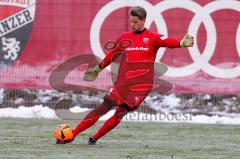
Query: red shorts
(132, 101)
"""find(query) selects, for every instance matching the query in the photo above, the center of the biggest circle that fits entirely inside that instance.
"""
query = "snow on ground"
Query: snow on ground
(37, 111)
(40, 111)
(169, 109)
(167, 103)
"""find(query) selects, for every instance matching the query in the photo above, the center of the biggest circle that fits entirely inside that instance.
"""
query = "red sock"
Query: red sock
(111, 123)
(91, 118)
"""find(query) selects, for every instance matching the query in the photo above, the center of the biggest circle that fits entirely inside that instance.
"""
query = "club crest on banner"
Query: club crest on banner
(16, 21)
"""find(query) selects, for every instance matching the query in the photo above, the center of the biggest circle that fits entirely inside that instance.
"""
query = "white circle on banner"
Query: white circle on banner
(238, 40)
(195, 23)
(206, 66)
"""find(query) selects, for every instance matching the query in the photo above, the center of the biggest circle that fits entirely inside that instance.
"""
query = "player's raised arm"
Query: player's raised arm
(164, 41)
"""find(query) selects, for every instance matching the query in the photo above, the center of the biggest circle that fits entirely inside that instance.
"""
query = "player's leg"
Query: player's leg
(109, 124)
(92, 117)
(110, 100)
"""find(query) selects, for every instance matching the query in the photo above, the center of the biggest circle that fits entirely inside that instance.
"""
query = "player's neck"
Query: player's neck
(140, 31)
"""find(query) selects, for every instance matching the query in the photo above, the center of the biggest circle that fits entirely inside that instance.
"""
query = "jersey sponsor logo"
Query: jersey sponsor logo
(137, 49)
(16, 23)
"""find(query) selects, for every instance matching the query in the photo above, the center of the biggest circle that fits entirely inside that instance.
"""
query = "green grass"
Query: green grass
(33, 138)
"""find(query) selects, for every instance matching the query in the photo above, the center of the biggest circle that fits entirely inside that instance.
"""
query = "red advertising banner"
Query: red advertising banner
(38, 37)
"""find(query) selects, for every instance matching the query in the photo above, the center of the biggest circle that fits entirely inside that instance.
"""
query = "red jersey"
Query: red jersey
(143, 47)
(139, 52)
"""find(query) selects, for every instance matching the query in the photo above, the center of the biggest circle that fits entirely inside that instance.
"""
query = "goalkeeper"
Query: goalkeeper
(144, 47)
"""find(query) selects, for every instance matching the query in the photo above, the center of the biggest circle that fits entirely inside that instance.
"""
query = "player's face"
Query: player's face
(136, 23)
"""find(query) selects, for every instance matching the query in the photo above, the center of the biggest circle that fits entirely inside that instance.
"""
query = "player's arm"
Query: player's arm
(110, 57)
(163, 41)
(92, 73)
